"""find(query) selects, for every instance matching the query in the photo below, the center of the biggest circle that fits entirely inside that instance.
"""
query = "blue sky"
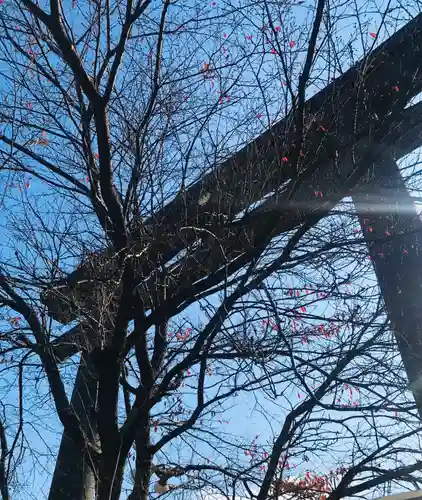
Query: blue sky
(245, 105)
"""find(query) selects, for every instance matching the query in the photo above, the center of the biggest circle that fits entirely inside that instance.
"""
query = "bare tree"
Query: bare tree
(111, 110)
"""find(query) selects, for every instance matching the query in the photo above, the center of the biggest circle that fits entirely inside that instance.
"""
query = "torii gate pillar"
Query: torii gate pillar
(73, 478)
(393, 232)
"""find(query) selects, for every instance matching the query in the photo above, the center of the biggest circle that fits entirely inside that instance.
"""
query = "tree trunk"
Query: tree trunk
(142, 478)
(111, 473)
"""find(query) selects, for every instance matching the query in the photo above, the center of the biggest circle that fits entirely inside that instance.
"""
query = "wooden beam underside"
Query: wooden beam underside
(383, 126)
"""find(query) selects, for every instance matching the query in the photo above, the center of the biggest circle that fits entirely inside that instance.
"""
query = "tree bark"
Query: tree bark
(142, 478)
(111, 476)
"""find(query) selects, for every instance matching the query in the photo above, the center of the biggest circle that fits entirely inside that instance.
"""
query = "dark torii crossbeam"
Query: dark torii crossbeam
(356, 107)
(367, 126)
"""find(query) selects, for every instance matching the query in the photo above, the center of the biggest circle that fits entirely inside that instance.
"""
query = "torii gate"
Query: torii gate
(368, 128)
